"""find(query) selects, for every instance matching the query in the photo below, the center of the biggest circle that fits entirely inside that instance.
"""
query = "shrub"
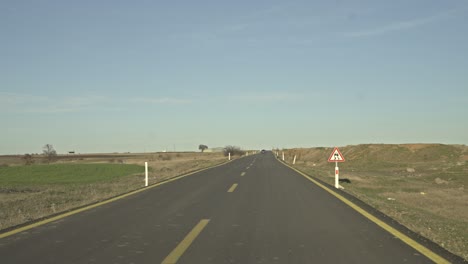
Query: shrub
(233, 150)
(164, 157)
(28, 159)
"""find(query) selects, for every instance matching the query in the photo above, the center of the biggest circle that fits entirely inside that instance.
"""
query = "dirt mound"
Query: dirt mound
(386, 153)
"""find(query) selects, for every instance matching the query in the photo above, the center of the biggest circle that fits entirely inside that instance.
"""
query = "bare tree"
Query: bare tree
(202, 147)
(49, 152)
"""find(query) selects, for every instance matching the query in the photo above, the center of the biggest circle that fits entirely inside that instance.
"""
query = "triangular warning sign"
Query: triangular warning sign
(336, 156)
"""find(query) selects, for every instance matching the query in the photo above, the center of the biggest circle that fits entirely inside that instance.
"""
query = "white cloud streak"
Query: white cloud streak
(267, 98)
(162, 100)
(68, 104)
(398, 26)
(15, 98)
(27, 103)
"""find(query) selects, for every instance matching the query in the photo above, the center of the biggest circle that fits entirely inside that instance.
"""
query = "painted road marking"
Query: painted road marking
(409, 241)
(233, 187)
(243, 173)
(55, 218)
(174, 256)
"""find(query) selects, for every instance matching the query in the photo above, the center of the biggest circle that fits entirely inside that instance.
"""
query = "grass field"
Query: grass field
(423, 186)
(64, 173)
(35, 191)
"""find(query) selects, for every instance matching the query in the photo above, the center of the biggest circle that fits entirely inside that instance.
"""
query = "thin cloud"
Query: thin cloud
(237, 27)
(16, 98)
(162, 100)
(398, 26)
(267, 98)
(70, 104)
(27, 103)
(243, 23)
(50, 109)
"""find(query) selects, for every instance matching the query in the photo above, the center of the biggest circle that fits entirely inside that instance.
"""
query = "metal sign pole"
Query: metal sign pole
(337, 176)
(336, 156)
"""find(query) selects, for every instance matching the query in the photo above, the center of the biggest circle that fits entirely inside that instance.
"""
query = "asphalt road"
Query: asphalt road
(272, 215)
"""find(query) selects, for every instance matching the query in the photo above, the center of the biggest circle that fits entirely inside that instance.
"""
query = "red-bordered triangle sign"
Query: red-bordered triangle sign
(336, 156)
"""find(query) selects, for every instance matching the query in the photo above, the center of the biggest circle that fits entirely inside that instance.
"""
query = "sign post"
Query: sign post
(336, 157)
(146, 174)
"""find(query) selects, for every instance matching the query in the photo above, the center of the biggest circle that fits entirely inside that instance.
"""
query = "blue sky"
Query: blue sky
(114, 76)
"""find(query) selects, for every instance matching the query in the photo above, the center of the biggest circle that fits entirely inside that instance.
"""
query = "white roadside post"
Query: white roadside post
(336, 157)
(294, 161)
(146, 174)
(337, 175)
(283, 156)
(229, 155)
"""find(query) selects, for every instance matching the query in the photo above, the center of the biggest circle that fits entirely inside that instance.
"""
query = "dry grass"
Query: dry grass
(423, 186)
(167, 165)
(30, 201)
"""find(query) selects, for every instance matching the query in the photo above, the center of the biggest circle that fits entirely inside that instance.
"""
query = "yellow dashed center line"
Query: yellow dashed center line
(185, 244)
(233, 187)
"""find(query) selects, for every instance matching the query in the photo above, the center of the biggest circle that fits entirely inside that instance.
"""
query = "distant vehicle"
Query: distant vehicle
(263, 151)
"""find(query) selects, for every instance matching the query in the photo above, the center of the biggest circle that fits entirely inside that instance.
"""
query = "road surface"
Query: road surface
(251, 210)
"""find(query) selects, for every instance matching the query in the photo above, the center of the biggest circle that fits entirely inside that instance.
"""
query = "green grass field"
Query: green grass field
(31, 192)
(65, 173)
